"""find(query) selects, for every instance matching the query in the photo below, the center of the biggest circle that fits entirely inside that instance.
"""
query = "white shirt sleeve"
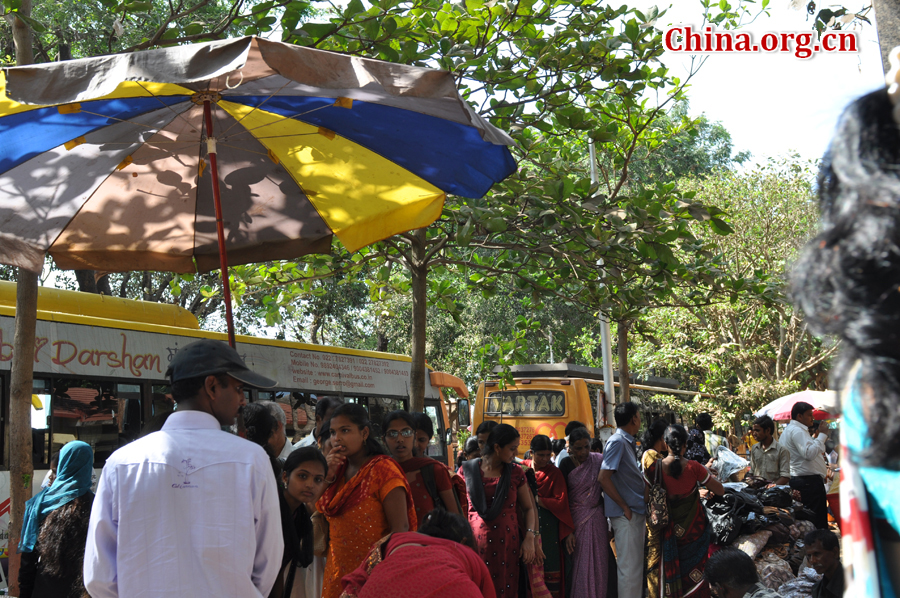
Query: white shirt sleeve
(269, 538)
(100, 577)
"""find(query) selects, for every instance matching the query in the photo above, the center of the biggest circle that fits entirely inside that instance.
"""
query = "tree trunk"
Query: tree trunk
(22, 383)
(86, 281)
(22, 373)
(624, 377)
(419, 271)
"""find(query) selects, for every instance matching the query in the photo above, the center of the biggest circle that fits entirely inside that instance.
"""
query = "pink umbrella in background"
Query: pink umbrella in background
(826, 405)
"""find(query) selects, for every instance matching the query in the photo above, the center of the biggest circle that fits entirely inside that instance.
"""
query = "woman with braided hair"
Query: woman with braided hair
(685, 540)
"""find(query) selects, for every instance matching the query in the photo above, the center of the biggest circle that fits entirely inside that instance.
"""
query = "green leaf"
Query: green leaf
(464, 235)
(495, 225)
(720, 226)
(36, 25)
(318, 30)
(138, 6)
(194, 28)
(354, 8)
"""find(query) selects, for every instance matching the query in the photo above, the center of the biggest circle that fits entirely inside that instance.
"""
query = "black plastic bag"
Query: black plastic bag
(776, 497)
(733, 514)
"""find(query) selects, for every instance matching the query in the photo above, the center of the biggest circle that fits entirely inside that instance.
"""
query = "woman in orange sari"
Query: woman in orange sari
(368, 498)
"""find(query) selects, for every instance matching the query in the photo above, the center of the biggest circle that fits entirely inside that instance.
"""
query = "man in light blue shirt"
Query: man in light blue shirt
(623, 494)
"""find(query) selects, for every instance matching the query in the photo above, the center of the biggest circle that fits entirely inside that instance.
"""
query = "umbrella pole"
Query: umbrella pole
(220, 229)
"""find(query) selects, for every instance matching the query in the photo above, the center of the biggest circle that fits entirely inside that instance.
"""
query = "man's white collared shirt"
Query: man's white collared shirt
(186, 511)
(807, 453)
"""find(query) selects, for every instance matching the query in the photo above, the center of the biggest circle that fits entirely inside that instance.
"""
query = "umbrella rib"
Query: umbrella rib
(292, 117)
(236, 123)
(156, 97)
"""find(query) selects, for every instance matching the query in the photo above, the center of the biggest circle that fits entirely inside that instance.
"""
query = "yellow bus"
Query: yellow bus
(545, 397)
(99, 376)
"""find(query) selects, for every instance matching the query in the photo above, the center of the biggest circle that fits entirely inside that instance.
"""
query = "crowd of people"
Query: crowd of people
(349, 514)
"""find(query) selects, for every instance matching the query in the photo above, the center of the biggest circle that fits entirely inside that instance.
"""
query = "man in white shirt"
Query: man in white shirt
(278, 441)
(807, 461)
(189, 510)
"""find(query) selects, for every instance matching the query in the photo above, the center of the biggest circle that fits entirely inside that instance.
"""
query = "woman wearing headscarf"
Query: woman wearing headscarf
(54, 529)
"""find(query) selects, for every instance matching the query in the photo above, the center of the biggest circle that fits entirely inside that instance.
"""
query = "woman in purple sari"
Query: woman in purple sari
(581, 469)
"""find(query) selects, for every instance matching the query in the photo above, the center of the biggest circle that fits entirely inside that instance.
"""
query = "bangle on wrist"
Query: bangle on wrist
(536, 534)
(331, 481)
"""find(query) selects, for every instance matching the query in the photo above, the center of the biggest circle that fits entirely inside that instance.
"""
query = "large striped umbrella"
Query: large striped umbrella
(165, 159)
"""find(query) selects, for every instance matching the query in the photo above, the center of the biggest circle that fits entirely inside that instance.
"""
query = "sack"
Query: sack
(773, 571)
(320, 534)
(657, 503)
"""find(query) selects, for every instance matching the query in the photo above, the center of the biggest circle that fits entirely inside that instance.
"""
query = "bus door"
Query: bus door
(437, 448)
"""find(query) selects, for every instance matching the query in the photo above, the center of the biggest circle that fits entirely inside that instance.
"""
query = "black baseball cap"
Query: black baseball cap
(208, 357)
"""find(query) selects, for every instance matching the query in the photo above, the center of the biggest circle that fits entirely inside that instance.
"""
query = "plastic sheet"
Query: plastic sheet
(802, 586)
(727, 464)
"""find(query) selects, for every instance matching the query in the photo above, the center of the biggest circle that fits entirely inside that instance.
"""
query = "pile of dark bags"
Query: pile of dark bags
(769, 525)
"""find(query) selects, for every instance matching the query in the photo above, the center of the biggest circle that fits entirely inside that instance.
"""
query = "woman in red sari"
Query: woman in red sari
(442, 547)
(497, 490)
(399, 437)
(368, 497)
(685, 540)
(557, 528)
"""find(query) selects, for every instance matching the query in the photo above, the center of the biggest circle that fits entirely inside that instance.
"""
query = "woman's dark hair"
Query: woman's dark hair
(260, 424)
(501, 435)
(358, 415)
(394, 416)
(471, 445)
(596, 445)
(676, 437)
(304, 454)
(324, 431)
(846, 279)
(449, 526)
(573, 425)
(541, 442)
(653, 434)
(62, 538)
(731, 568)
(578, 434)
(704, 422)
(557, 446)
(485, 427)
(423, 423)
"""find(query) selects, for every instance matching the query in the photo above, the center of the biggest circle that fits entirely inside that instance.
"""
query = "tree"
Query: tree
(748, 346)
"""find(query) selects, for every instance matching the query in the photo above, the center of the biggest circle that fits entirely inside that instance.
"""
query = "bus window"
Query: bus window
(162, 399)
(378, 408)
(462, 407)
(437, 448)
(40, 424)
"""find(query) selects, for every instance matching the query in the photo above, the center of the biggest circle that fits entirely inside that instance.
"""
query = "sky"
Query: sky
(773, 104)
